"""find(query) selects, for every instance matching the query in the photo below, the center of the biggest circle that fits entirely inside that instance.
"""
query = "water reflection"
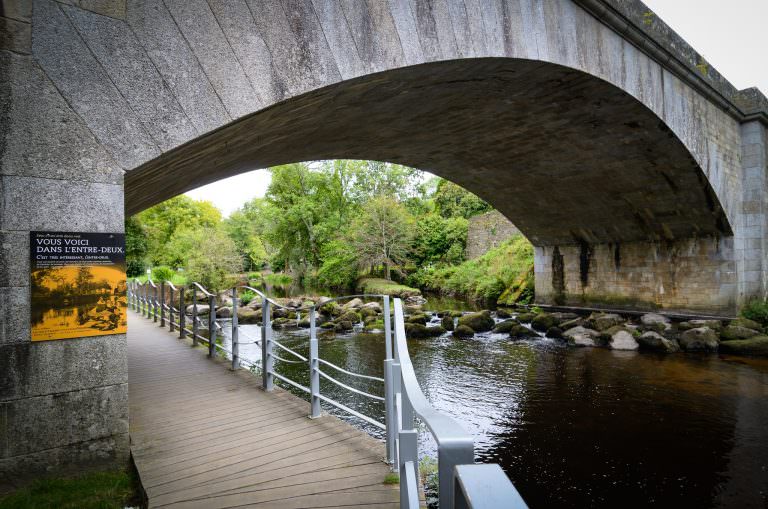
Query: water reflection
(581, 427)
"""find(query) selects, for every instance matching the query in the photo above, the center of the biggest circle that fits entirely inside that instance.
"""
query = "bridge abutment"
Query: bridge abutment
(691, 275)
(64, 403)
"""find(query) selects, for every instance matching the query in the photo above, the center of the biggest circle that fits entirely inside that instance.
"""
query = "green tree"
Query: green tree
(161, 222)
(381, 235)
(452, 200)
(440, 239)
(211, 257)
(246, 227)
(135, 247)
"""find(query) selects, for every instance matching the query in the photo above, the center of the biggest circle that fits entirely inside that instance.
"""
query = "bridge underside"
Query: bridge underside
(576, 163)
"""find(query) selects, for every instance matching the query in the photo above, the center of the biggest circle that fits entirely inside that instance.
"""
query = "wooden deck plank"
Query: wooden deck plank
(204, 436)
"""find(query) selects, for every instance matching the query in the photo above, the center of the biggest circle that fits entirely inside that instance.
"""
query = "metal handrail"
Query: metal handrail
(289, 350)
(351, 389)
(403, 398)
(338, 368)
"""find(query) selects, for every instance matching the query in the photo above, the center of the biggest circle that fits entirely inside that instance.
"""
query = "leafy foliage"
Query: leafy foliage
(162, 273)
(212, 258)
(382, 234)
(452, 200)
(483, 278)
(756, 310)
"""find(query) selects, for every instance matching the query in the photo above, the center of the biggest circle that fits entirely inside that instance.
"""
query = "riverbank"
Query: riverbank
(503, 275)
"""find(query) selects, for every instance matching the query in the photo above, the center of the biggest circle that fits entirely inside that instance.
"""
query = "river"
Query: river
(585, 427)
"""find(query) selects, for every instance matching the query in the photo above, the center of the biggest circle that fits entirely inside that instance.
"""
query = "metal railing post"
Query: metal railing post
(162, 304)
(314, 365)
(212, 326)
(154, 303)
(145, 310)
(387, 329)
(195, 327)
(235, 338)
(389, 412)
(449, 455)
(409, 470)
(170, 310)
(182, 314)
(267, 380)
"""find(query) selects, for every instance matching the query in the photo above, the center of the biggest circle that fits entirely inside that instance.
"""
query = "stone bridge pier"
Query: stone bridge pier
(633, 166)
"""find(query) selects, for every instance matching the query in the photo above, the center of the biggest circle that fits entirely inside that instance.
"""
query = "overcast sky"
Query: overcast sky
(731, 35)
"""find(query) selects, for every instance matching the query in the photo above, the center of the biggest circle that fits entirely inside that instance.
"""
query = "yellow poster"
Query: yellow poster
(78, 285)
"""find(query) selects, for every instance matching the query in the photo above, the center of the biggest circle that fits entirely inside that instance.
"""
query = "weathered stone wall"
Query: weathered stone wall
(487, 231)
(63, 404)
(694, 275)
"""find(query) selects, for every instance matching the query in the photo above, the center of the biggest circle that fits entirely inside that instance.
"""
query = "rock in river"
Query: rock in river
(700, 339)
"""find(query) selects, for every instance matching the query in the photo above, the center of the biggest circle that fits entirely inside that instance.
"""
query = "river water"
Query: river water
(583, 427)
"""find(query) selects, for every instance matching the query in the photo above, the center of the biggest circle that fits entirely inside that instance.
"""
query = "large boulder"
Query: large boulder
(554, 333)
(581, 336)
(343, 326)
(603, 321)
(715, 325)
(570, 324)
(521, 331)
(655, 321)
(419, 331)
(526, 317)
(463, 332)
(202, 309)
(757, 345)
(746, 322)
(505, 326)
(657, 343)
(331, 308)
(732, 332)
(366, 312)
(355, 303)
(623, 340)
(375, 306)
(248, 315)
(255, 303)
(350, 316)
(564, 317)
(478, 322)
(446, 322)
(700, 339)
(293, 303)
(543, 321)
(224, 312)
(503, 313)
(322, 300)
(419, 318)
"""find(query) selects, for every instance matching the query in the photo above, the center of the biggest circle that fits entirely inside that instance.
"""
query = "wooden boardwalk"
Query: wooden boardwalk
(203, 436)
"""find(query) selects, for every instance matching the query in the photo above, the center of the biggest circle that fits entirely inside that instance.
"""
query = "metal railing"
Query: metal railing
(461, 484)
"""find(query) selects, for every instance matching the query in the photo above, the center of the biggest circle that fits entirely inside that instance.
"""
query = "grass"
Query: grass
(99, 490)
(177, 279)
(385, 287)
(392, 478)
(278, 279)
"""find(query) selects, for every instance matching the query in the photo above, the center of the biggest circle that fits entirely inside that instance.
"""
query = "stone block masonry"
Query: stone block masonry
(487, 231)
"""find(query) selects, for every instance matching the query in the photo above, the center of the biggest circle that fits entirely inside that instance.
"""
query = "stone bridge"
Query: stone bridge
(637, 171)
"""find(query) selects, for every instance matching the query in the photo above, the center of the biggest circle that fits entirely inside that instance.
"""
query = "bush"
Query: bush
(246, 297)
(385, 287)
(339, 268)
(254, 276)
(756, 310)
(162, 274)
(278, 279)
(483, 278)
